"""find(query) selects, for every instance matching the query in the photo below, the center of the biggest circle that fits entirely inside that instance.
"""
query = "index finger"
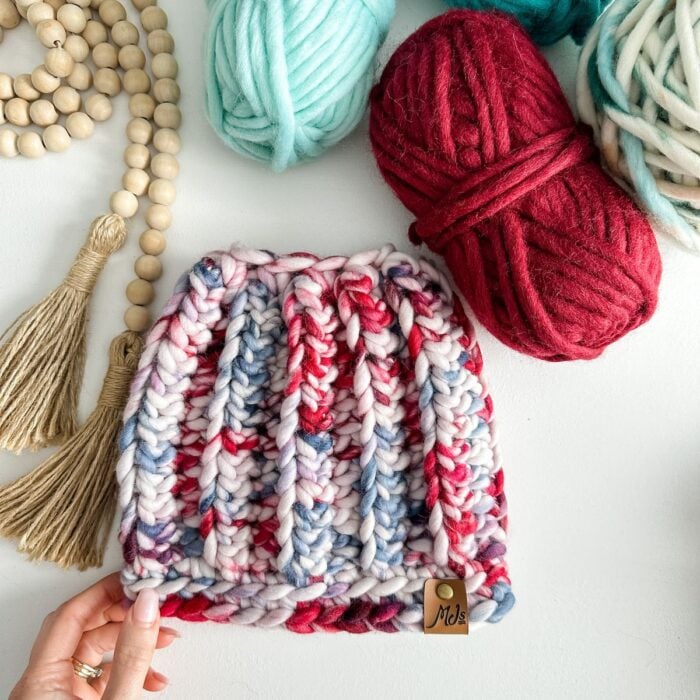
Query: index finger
(62, 629)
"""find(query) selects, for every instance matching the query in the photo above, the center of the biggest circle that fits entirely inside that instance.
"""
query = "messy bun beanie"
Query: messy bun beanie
(546, 21)
(287, 79)
(471, 130)
(307, 442)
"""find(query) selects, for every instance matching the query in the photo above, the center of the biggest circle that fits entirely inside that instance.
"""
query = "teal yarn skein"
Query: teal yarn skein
(546, 21)
(288, 79)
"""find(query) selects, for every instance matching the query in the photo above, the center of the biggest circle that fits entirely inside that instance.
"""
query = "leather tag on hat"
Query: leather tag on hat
(446, 607)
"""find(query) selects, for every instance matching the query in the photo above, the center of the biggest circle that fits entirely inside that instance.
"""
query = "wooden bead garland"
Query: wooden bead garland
(92, 54)
(53, 97)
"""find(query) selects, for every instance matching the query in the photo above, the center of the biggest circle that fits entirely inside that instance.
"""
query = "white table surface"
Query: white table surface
(602, 458)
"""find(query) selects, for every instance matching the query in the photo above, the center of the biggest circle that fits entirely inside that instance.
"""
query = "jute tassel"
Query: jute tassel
(43, 358)
(63, 510)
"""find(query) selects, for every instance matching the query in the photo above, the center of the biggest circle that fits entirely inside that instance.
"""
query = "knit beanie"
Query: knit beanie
(308, 441)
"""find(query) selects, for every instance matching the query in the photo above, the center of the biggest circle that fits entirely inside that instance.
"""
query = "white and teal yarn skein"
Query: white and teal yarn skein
(287, 79)
(639, 88)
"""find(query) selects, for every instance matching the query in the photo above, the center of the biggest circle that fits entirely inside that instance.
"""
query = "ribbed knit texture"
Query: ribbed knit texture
(639, 88)
(287, 79)
(546, 21)
(471, 130)
(307, 442)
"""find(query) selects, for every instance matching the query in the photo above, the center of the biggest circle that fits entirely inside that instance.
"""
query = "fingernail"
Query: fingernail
(170, 632)
(160, 677)
(146, 607)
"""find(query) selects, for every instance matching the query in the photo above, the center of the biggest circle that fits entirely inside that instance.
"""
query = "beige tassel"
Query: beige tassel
(63, 510)
(43, 358)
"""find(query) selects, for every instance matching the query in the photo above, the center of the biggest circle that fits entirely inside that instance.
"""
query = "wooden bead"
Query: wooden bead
(51, 32)
(137, 319)
(23, 6)
(136, 80)
(17, 112)
(153, 18)
(38, 12)
(30, 145)
(95, 33)
(111, 12)
(8, 144)
(167, 116)
(160, 41)
(167, 141)
(56, 138)
(137, 156)
(139, 131)
(80, 77)
(124, 203)
(152, 242)
(107, 82)
(124, 33)
(77, 47)
(141, 5)
(140, 292)
(162, 192)
(98, 107)
(131, 57)
(159, 217)
(59, 62)
(79, 125)
(166, 90)
(142, 105)
(136, 181)
(9, 16)
(104, 55)
(148, 267)
(24, 88)
(43, 81)
(165, 166)
(72, 18)
(7, 92)
(43, 113)
(164, 65)
(66, 100)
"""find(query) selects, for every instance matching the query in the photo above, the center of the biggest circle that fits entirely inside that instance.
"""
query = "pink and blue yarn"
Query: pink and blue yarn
(308, 440)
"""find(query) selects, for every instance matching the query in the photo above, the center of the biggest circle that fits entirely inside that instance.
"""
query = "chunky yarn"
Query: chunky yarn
(307, 442)
(287, 79)
(639, 88)
(546, 21)
(471, 130)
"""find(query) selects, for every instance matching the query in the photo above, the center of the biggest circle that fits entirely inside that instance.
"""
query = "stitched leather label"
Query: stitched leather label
(446, 608)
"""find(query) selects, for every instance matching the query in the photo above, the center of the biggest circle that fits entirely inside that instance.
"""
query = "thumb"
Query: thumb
(135, 647)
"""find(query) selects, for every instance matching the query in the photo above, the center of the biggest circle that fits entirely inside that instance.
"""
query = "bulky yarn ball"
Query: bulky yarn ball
(287, 79)
(546, 21)
(472, 131)
(639, 88)
(307, 442)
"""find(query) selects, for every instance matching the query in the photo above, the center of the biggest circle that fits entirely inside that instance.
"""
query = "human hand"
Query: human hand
(86, 628)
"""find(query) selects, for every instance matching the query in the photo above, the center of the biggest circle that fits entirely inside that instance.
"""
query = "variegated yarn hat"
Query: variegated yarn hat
(308, 442)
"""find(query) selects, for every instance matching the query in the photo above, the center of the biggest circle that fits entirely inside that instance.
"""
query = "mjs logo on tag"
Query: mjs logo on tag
(446, 607)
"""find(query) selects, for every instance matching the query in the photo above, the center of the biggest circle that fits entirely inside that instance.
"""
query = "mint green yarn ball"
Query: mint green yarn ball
(287, 79)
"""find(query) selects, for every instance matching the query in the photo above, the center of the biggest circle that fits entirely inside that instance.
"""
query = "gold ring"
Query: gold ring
(85, 671)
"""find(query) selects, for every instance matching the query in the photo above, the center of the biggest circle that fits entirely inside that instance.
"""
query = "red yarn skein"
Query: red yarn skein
(472, 131)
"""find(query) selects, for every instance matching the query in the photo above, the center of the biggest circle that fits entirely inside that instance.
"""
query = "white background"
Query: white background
(602, 458)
